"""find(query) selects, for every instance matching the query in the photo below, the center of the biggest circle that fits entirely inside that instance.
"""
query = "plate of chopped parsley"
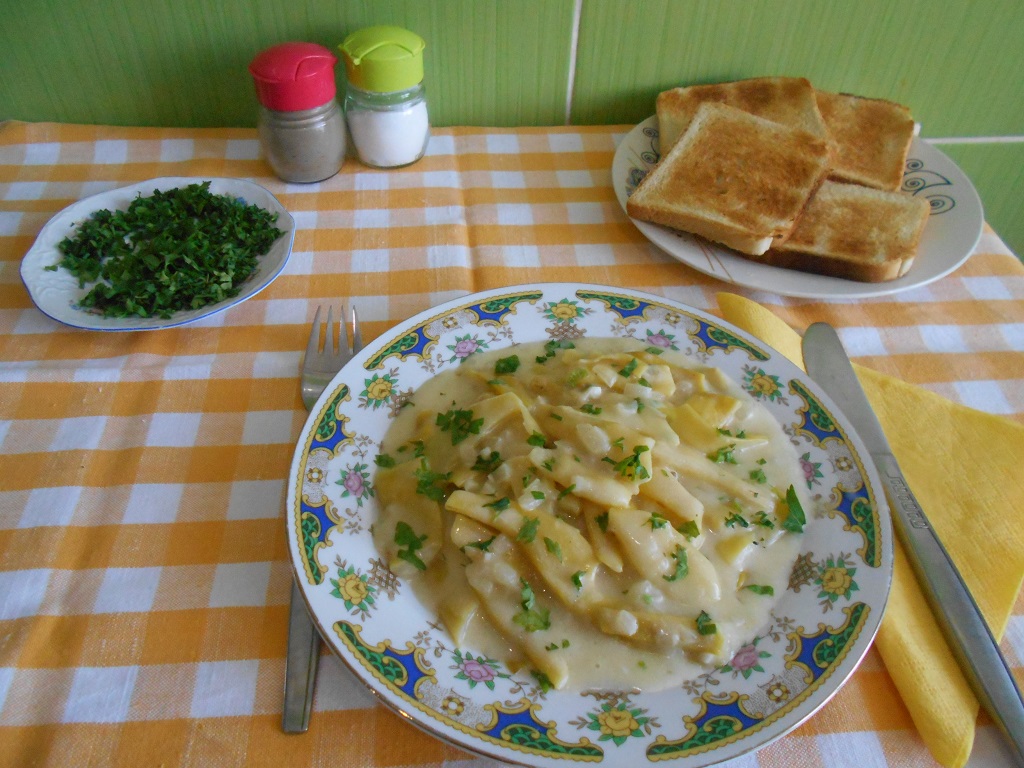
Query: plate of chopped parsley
(158, 254)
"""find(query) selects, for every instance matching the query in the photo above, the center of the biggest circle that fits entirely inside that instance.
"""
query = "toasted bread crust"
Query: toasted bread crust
(820, 265)
(872, 138)
(854, 232)
(734, 178)
(786, 100)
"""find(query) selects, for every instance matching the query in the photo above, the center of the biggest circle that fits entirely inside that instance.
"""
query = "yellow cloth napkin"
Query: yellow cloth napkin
(965, 469)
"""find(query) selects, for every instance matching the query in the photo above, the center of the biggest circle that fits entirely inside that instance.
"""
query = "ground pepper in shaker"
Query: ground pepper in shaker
(385, 101)
(301, 128)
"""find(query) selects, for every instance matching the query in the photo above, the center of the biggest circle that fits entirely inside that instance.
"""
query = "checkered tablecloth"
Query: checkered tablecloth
(144, 576)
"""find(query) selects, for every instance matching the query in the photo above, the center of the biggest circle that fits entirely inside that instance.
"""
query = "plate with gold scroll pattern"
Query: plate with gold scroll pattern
(953, 229)
(818, 631)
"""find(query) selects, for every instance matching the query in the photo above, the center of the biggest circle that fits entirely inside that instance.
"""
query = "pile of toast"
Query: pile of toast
(787, 175)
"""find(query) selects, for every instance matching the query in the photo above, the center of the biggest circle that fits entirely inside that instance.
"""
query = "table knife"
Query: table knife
(965, 629)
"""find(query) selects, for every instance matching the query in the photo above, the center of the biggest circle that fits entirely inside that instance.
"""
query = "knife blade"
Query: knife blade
(969, 637)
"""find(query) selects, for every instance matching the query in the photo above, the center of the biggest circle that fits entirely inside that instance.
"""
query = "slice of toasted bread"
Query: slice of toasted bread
(734, 178)
(871, 137)
(854, 232)
(786, 100)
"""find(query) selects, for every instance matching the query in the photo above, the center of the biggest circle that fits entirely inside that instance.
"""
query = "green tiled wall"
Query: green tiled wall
(997, 171)
(956, 63)
(184, 62)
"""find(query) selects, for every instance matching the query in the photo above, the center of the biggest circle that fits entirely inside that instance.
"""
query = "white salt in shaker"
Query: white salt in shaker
(385, 102)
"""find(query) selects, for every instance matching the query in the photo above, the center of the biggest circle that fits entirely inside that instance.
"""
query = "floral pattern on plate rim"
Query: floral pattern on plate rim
(819, 630)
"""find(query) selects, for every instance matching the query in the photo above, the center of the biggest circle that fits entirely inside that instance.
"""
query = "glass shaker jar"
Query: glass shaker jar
(385, 101)
(300, 125)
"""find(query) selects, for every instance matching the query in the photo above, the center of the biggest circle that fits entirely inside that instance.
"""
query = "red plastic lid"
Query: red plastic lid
(294, 76)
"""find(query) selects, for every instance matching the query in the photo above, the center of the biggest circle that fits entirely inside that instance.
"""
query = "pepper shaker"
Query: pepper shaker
(300, 125)
(385, 101)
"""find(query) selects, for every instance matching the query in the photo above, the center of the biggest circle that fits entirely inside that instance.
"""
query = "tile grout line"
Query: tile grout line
(975, 140)
(574, 45)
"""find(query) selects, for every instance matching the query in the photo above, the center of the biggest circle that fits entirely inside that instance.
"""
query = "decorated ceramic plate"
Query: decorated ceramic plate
(57, 293)
(952, 231)
(817, 633)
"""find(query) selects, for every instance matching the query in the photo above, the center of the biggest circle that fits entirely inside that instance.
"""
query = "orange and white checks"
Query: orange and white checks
(143, 572)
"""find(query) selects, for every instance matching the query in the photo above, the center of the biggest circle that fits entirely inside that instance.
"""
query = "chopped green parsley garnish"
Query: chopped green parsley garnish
(723, 455)
(761, 589)
(628, 368)
(760, 518)
(488, 464)
(577, 376)
(566, 491)
(173, 250)
(384, 460)
(536, 439)
(433, 485)
(656, 521)
(460, 423)
(538, 495)
(758, 476)
(483, 546)
(796, 519)
(499, 505)
(736, 519)
(409, 542)
(551, 347)
(531, 618)
(682, 565)
(508, 364)
(705, 625)
(543, 681)
(553, 547)
(602, 521)
(528, 530)
(630, 467)
(556, 646)
(590, 408)
(577, 580)
(689, 529)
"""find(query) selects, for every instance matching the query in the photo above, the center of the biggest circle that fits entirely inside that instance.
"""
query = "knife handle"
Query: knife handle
(955, 610)
(300, 667)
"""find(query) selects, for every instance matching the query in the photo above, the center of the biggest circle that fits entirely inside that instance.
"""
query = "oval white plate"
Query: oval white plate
(57, 293)
(952, 231)
(819, 630)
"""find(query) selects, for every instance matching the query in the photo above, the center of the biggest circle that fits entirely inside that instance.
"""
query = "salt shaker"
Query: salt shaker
(385, 101)
(300, 125)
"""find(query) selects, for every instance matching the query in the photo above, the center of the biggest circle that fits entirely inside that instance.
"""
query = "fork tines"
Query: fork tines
(327, 333)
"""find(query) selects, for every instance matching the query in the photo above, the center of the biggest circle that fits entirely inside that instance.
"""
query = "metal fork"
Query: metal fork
(318, 368)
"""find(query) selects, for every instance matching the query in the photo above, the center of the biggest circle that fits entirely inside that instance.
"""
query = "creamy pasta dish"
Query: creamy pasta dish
(598, 513)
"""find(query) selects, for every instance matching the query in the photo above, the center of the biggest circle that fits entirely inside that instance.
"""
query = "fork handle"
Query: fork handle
(303, 657)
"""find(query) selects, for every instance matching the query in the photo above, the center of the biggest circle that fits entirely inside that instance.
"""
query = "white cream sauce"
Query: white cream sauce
(594, 637)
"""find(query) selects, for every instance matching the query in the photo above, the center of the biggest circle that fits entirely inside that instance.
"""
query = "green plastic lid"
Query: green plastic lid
(383, 59)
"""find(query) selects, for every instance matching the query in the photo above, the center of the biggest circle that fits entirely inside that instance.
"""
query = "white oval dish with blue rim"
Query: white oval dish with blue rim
(818, 632)
(953, 229)
(57, 293)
